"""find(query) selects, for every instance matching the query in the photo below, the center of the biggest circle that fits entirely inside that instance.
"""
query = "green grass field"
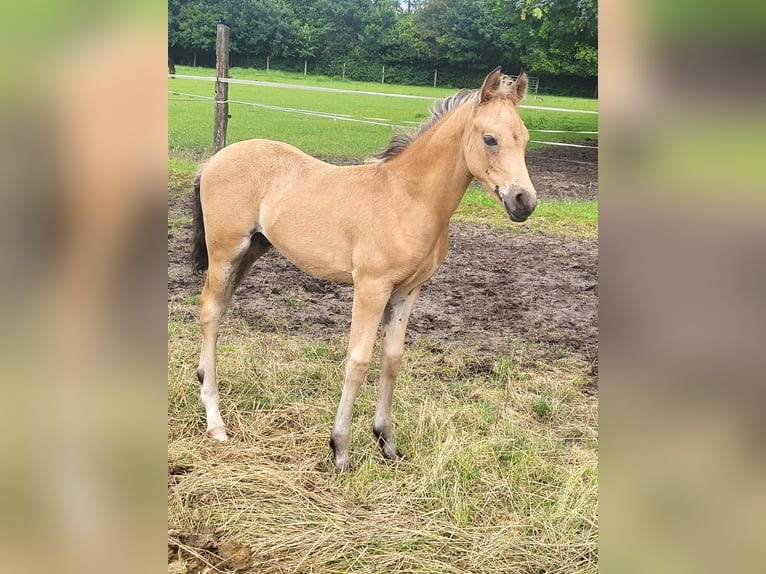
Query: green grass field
(502, 452)
(191, 122)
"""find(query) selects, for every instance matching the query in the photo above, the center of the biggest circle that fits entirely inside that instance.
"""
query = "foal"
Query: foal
(382, 227)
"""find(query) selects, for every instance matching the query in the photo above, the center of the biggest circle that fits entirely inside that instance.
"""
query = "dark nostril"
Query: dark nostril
(519, 197)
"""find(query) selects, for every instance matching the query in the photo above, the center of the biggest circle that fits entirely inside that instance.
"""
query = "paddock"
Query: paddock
(496, 404)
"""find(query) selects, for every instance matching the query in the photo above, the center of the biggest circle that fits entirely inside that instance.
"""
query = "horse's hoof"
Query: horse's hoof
(342, 465)
(343, 468)
(218, 433)
(396, 458)
(385, 449)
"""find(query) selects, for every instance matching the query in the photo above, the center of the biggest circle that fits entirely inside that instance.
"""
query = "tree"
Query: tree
(468, 31)
(260, 28)
(197, 20)
(462, 38)
(339, 26)
(552, 36)
(377, 25)
(404, 43)
(429, 20)
(306, 42)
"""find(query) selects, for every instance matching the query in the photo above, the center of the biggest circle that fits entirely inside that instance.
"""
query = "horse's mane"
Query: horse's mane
(399, 142)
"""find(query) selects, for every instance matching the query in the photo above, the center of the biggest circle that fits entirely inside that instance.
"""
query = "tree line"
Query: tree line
(556, 40)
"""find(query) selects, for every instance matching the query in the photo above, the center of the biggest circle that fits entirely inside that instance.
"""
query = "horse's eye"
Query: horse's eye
(490, 140)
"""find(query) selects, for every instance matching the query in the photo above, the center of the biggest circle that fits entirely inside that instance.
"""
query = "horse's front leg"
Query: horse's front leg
(369, 302)
(394, 326)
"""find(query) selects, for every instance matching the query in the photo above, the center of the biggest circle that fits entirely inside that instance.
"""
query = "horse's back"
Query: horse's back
(243, 171)
(256, 155)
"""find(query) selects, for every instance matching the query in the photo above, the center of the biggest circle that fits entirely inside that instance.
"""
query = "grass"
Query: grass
(190, 123)
(490, 484)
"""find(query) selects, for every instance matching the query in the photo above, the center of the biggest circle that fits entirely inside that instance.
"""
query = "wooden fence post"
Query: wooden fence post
(221, 88)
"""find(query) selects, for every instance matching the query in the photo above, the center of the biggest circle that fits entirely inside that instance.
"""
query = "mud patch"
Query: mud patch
(203, 552)
(564, 172)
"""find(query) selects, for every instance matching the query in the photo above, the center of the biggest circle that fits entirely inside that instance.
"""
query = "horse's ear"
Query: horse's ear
(519, 87)
(490, 86)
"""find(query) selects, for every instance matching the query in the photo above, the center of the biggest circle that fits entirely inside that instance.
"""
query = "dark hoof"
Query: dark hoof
(398, 458)
(382, 444)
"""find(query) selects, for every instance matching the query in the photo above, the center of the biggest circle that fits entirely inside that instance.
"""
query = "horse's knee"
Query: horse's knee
(357, 364)
(391, 360)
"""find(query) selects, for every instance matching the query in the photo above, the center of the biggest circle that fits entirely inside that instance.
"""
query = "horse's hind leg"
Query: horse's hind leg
(224, 275)
(394, 326)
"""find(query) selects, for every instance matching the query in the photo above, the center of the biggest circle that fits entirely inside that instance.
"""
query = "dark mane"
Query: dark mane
(399, 142)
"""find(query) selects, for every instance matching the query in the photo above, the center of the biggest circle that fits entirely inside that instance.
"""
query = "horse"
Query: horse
(171, 67)
(381, 226)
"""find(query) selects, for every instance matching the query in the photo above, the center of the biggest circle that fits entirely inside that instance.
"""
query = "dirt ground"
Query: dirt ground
(494, 293)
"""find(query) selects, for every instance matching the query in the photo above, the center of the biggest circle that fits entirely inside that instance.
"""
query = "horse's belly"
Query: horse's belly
(312, 240)
(317, 259)
(323, 270)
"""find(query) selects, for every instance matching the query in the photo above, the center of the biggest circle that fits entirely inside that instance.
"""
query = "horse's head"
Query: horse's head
(495, 142)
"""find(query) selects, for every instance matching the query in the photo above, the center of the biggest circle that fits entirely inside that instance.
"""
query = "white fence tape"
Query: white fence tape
(347, 118)
(564, 144)
(340, 91)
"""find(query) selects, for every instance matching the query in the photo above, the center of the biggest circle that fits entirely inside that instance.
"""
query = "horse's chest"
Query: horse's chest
(426, 265)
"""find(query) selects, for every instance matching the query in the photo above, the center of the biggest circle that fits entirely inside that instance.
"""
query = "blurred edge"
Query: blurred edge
(83, 161)
(683, 287)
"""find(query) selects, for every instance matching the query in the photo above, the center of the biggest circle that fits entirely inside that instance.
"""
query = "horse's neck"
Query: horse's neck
(435, 160)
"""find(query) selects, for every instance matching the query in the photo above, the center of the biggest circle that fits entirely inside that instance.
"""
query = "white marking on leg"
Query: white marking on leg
(213, 303)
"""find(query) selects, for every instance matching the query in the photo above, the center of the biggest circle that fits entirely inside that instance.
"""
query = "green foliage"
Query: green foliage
(194, 26)
(552, 36)
(258, 27)
(462, 39)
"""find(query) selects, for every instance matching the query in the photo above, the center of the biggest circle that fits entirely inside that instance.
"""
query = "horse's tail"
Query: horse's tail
(199, 246)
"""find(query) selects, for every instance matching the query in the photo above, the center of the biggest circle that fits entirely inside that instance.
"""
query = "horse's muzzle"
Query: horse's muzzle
(519, 202)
